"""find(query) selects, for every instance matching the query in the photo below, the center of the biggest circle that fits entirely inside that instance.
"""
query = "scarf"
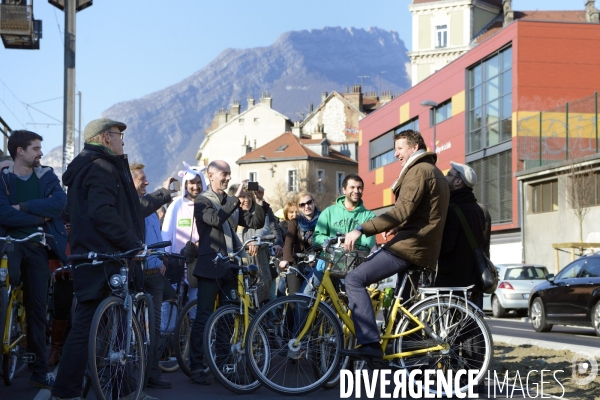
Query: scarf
(309, 225)
(229, 227)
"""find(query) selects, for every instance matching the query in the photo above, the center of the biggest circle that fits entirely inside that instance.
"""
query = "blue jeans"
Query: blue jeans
(380, 265)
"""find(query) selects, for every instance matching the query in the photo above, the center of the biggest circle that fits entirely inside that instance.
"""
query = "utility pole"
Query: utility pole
(69, 93)
(70, 7)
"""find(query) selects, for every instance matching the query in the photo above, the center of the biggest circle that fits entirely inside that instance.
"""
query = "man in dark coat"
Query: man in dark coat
(217, 217)
(31, 198)
(106, 217)
(456, 264)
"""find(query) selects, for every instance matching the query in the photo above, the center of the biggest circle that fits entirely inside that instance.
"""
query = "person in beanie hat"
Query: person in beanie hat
(106, 217)
(456, 263)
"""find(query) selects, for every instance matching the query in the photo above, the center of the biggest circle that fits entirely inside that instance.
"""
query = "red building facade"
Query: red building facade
(524, 68)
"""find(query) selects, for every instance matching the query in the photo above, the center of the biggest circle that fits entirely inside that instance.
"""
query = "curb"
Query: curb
(594, 351)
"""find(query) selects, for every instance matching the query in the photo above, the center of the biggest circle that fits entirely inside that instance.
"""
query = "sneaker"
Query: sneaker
(158, 383)
(200, 378)
(41, 380)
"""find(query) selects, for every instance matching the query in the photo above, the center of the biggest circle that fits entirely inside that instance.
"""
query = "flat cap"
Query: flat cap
(97, 126)
(467, 174)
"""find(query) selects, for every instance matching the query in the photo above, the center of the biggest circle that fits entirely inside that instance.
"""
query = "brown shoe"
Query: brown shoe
(58, 338)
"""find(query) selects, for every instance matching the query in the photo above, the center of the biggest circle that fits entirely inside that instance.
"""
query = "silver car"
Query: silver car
(515, 281)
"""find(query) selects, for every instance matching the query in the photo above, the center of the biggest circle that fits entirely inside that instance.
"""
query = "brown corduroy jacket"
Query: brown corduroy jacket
(422, 195)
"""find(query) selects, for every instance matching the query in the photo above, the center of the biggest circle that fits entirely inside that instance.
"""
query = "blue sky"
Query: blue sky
(127, 49)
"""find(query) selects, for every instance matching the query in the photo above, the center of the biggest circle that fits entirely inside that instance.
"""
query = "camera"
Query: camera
(176, 185)
(252, 186)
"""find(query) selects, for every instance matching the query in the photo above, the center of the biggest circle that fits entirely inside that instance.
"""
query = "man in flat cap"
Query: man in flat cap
(106, 217)
(456, 263)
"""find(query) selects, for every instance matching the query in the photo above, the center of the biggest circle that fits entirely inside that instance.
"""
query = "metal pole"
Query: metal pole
(567, 131)
(596, 120)
(434, 126)
(69, 95)
(79, 141)
(540, 138)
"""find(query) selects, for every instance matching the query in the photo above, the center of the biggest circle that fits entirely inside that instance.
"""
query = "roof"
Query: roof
(497, 3)
(291, 148)
(537, 15)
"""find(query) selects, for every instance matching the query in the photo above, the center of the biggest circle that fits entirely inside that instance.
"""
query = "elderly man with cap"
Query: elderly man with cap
(456, 263)
(106, 217)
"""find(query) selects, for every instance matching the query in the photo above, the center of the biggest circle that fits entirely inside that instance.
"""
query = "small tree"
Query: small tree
(580, 191)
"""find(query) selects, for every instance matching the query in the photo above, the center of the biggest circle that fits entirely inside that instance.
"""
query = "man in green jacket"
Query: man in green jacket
(347, 213)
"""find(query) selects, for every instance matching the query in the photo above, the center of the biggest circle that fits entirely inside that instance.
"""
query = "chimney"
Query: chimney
(250, 101)
(220, 118)
(266, 99)
(235, 108)
(591, 13)
(297, 129)
(324, 96)
(355, 97)
(320, 133)
(509, 14)
(311, 107)
(386, 97)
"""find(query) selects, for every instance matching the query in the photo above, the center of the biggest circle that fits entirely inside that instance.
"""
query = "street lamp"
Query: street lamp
(432, 106)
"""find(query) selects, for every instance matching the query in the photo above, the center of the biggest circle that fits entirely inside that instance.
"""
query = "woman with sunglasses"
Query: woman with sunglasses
(299, 236)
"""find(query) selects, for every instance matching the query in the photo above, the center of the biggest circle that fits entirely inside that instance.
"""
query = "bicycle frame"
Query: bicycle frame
(327, 288)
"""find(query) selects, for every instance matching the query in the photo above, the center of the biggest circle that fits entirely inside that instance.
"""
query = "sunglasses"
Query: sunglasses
(308, 203)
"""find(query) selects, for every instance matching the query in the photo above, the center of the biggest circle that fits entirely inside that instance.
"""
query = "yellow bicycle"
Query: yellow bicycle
(443, 332)
(13, 326)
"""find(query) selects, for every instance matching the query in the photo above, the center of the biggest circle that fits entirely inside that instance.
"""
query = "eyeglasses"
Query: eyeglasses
(452, 175)
(116, 133)
(308, 203)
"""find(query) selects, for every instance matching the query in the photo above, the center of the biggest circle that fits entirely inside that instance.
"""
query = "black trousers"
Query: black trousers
(154, 285)
(74, 359)
(29, 261)
(208, 289)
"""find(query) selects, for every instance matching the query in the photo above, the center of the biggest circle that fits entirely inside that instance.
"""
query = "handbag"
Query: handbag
(487, 269)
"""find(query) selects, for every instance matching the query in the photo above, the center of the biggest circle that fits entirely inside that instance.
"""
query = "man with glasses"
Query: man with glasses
(106, 217)
(457, 265)
(417, 222)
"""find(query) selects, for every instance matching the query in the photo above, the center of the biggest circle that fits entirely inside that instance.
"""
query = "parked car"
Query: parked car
(515, 281)
(572, 297)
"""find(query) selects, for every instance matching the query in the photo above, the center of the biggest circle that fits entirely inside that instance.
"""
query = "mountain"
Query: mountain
(166, 127)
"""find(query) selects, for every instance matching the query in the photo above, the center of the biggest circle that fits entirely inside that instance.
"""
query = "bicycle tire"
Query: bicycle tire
(144, 314)
(3, 313)
(224, 349)
(168, 361)
(470, 340)
(181, 339)
(285, 367)
(12, 363)
(115, 374)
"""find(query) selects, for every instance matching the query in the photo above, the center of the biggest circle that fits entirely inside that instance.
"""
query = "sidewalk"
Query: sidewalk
(517, 341)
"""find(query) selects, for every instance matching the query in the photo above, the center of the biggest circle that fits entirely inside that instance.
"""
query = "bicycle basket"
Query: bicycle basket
(344, 261)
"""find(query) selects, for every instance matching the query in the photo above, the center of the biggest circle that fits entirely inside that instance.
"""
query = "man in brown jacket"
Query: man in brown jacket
(417, 223)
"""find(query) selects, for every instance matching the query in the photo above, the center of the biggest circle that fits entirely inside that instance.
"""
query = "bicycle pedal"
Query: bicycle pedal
(28, 358)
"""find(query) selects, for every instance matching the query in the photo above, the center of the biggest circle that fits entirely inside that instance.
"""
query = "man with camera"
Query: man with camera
(217, 217)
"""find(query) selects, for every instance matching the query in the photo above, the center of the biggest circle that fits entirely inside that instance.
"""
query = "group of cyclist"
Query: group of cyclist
(109, 211)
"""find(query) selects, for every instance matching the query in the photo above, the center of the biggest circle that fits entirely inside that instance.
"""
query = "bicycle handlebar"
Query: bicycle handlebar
(133, 253)
(257, 239)
(25, 239)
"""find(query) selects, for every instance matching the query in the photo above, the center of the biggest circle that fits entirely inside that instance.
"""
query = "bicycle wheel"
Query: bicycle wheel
(470, 344)
(144, 314)
(224, 336)
(168, 361)
(12, 362)
(281, 364)
(116, 354)
(181, 338)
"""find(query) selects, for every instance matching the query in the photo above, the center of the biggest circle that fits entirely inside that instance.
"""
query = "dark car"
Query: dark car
(572, 297)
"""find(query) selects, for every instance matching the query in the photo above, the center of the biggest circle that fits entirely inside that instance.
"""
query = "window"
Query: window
(381, 149)
(490, 101)
(441, 33)
(320, 180)
(591, 269)
(256, 120)
(339, 179)
(241, 120)
(584, 189)
(571, 270)
(442, 113)
(292, 180)
(494, 187)
(253, 176)
(544, 197)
